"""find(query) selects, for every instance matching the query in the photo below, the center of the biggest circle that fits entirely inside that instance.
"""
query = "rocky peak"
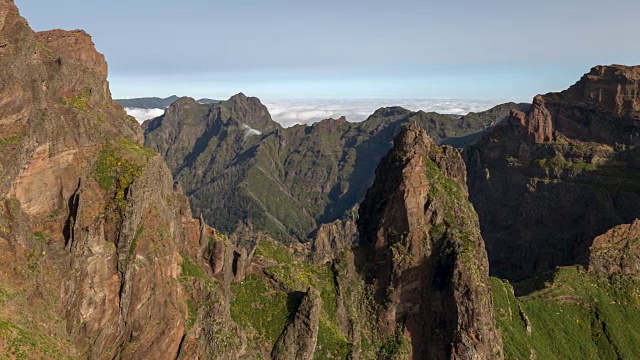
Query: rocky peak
(616, 88)
(586, 111)
(538, 123)
(182, 107)
(328, 125)
(299, 338)
(75, 46)
(425, 256)
(251, 111)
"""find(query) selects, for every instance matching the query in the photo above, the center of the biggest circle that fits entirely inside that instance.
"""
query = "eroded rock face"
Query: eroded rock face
(548, 181)
(617, 250)
(299, 338)
(330, 239)
(424, 254)
(616, 88)
(91, 228)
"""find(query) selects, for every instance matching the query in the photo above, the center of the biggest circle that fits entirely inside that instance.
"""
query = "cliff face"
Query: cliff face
(550, 180)
(424, 255)
(91, 229)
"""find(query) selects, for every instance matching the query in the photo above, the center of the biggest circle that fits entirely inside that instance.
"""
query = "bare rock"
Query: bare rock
(299, 338)
(617, 250)
(424, 253)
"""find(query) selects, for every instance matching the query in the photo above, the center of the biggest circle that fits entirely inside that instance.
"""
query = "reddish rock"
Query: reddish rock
(426, 259)
(74, 46)
(616, 88)
(617, 250)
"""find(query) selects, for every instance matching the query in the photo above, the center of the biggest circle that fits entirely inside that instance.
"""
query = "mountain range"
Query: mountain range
(211, 232)
(155, 102)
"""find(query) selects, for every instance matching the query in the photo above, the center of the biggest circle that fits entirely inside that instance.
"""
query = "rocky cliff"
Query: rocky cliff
(424, 255)
(94, 238)
(548, 181)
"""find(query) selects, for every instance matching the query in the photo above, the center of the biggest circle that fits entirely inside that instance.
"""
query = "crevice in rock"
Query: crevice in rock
(72, 205)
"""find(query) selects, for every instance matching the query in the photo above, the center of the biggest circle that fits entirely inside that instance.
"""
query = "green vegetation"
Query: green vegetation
(119, 164)
(274, 251)
(297, 277)
(79, 102)
(21, 343)
(134, 242)
(332, 344)
(575, 316)
(260, 307)
(191, 269)
(192, 314)
(457, 211)
(559, 163)
(41, 238)
(10, 140)
(397, 347)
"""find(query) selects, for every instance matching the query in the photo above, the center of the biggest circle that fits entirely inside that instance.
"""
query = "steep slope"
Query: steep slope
(575, 315)
(91, 231)
(284, 181)
(424, 255)
(549, 180)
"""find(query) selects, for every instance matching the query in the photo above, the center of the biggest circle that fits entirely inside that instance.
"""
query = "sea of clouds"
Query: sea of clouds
(292, 112)
(144, 114)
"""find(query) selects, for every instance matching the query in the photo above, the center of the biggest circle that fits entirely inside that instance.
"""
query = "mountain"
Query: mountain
(550, 180)
(102, 258)
(241, 169)
(98, 251)
(423, 253)
(155, 102)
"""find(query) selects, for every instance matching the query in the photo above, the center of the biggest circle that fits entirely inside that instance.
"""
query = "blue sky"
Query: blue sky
(398, 49)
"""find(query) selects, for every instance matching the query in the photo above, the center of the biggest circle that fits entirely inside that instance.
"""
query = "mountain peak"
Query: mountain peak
(184, 101)
(391, 111)
(74, 46)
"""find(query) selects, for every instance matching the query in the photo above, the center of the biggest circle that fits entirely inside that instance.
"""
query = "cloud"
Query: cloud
(250, 131)
(291, 112)
(144, 114)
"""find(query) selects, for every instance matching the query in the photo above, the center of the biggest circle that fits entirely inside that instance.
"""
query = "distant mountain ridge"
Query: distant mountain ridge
(155, 102)
(241, 168)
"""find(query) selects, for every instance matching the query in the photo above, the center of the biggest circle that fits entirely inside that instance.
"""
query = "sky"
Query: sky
(401, 49)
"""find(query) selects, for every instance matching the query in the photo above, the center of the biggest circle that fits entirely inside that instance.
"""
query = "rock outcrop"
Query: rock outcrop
(331, 239)
(615, 88)
(548, 181)
(617, 250)
(423, 253)
(299, 338)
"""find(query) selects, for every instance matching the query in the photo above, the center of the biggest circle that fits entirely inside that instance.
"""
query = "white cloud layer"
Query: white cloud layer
(291, 112)
(144, 114)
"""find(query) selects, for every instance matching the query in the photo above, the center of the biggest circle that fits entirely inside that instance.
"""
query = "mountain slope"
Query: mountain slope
(241, 169)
